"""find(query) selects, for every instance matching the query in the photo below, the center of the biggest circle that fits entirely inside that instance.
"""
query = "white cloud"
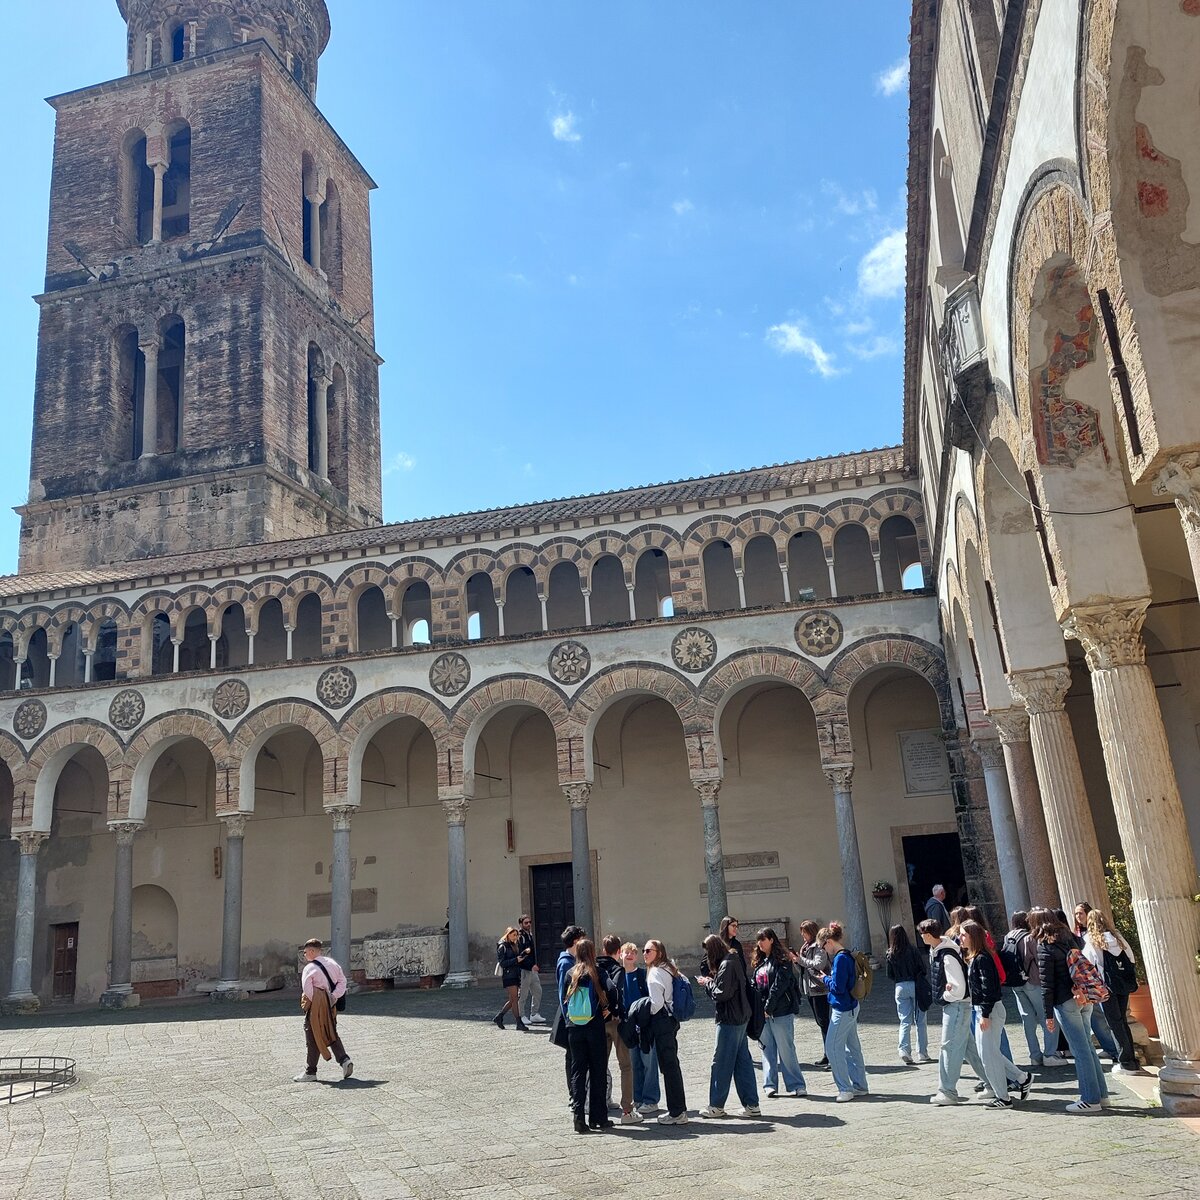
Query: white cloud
(849, 205)
(682, 206)
(400, 462)
(894, 79)
(790, 338)
(881, 271)
(858, 328)
(876, 347)
(562, 127)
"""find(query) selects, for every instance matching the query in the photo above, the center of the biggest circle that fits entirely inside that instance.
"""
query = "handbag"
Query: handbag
(558, 1027)
(340, 1002)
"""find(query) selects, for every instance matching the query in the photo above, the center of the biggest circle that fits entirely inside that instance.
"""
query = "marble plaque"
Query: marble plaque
(926, 767)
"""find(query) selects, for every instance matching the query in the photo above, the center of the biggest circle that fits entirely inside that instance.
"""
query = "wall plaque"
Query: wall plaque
(926, 767)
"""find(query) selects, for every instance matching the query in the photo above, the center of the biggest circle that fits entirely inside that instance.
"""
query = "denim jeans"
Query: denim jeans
(998, 1069)
(645, 1076)
(910, 1015)
(1104, 1033)
(844, 1051)
(1076, 1024)
(957, 1044)
(779, 1054)
(731, 1064)
(1028, 999)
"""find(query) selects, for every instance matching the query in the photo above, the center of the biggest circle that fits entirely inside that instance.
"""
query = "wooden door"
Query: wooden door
(553, 889)
(66, 955)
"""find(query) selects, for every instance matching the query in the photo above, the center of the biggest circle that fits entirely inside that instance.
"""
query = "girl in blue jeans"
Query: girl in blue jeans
(775, 978)
(904, 964)
(841, 1042)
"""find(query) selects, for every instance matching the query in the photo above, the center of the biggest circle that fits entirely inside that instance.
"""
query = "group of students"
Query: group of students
(1069, 984)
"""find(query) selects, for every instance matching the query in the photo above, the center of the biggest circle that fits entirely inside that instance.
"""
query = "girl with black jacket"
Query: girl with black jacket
(983, 982)
(775, 978)
(729, 988)
(587, 1041)
(510, 977)
(905, 964)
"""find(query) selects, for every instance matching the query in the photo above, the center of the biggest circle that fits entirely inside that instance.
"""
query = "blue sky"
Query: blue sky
(615, 243)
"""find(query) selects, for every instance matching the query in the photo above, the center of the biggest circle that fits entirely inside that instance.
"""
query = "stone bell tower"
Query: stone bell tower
(206, 373)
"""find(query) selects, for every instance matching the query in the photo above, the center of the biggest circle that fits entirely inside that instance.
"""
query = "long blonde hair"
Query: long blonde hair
(1097, 926)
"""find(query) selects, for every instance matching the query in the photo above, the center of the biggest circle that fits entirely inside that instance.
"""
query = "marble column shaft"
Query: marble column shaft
(858, 927)
(231, 922)
(578, 795)
(120, 969)
(1069, 824)
(714, 859)
(21, 982)
(340, 906)
(455, 809)
(1004, 825)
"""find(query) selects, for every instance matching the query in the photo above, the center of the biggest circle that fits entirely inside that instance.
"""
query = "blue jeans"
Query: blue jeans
(731, 1064)
(998, 1068)
(779, 1053)
(910, 1015)
(957, 1044)
(1033, 1017)
(1075, 1023)
(645, 1076)
(844, 1051)
(1104, 1034)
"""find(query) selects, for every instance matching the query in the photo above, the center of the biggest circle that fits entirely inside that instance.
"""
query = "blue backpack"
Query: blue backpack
(683, 1002)
(579, 1005)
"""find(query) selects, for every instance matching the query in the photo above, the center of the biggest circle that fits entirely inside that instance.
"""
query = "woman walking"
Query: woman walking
(1113, 957)
(775, 978)
(660, 980)
(814, 966)
(983, 982)
(841, 1042)
(1064, 1010)
(905, 965)
(728, 986)
(584, 1003)
(510, 977)
(1019, 942)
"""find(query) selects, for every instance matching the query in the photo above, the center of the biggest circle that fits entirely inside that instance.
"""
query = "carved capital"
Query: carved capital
(577, 794)
(1111, 634)
(235, 824)
(708, 790)
(1012, 724)
(125, 831)
(1042, 690)
(990, 751)
(456, 810)
(30, 840)
(1180, 481)
(840, 775)
(342, 814)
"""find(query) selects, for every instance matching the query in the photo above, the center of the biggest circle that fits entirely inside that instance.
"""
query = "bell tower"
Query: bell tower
(206, 376)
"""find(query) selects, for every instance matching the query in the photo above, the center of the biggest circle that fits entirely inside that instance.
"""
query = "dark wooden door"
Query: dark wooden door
(934, 858)
(553, 909)
(66, 955)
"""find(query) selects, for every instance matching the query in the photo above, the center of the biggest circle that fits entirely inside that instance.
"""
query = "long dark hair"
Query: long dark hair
(776, 954)
(898, 943)
(975, 913)
(715, 950)
(974, 939)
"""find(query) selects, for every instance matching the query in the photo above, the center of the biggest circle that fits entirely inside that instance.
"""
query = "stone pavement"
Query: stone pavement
(188, 1100)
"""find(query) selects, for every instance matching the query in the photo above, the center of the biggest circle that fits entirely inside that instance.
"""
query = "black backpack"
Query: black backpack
(1009, 955)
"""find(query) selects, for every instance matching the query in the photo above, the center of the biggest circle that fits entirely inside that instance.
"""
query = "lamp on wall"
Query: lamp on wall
(964, 349)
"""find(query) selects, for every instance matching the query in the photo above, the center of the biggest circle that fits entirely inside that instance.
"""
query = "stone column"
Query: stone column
(878, 572)
(858, 928)
(289, 630)
(175, 644)
(21, 999)
(787, 583)
(1069, 823)
(249, 648)
(339, 909)
(632, 602)
(1154, 833)
(88, 659)
(120, 993)
(545, 614)
(714, 860)
(314, 229)
(1180, 481)
(577, 795)
(1004, 824)
(587, 605)
(1012, 724)
(150, 399)
(499, 618)
(159, 169)
(832, 577)
(455, 809)
(231, 924)
(741, 580)
(322, 385)
(53, 659)
(212, 652)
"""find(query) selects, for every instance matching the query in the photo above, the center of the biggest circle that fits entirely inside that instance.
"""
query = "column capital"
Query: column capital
(840, 775)
(1042, 689)
(125, 831)
(455, 809)
(577, 794)
(990, 751)
(708, 790)
(235, 823)
(1012, 724)
(1179, 480)
(1111, 634)
(342, 815)
(30, 840)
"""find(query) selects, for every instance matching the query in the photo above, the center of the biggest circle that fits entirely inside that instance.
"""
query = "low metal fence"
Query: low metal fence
(33, 1075)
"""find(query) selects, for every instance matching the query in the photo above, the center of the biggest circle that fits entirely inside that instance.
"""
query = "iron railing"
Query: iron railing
(33, 1075)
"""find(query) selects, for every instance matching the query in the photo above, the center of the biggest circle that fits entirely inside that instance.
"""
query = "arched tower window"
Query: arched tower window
(8, 666)
(720, 579)
(177, 184)
(104, 658)
(763, 580)
(372, 622)
(336, 433)
(481, 605)
(416, 611)
(306, 641)
(138, 190)
(162, 651)
(331, 235)
(652, 584)
(169, 392)
(129, 378)
(178, 43)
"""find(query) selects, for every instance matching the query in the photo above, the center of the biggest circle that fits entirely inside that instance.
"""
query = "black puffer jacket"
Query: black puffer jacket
(983, 980)
(781, 995)
(729, 991)
(510, 969)
(1056, 975)
(907, 966)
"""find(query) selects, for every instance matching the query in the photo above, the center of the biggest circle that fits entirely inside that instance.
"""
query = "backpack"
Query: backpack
(942, 954)
(683, 1002)
(1120, 974)
(1010, 959)
(864, 975)
(1086, 983)
(579, 1005)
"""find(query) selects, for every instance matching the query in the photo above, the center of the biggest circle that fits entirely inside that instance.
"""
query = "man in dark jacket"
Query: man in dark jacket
(530, 998)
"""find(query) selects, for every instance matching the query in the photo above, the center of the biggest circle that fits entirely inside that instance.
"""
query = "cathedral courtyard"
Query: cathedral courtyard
(192, 1103)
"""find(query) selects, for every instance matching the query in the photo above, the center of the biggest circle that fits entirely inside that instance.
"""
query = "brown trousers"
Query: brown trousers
(623, 1061)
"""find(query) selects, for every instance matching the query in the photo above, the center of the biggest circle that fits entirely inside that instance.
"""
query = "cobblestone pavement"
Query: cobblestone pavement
(190, 1101)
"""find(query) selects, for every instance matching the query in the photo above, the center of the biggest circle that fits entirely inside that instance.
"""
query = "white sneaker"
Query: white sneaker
(632, 1117)
(667, 1119)
(537, 1019)
(347, 1069)
(844, 1097)
(922, 1059)
(647, 1110)
(305, 1077)
(751, 1110)
(1120, 1070)
(710, 1112)
(1080, 1107)
(1053, 1060)
(797, 1095)
(906, 1059)
(1106, 1102)
(944, 1099)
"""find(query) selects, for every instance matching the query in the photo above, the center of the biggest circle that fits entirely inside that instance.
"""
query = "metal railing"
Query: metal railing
(33, 1075)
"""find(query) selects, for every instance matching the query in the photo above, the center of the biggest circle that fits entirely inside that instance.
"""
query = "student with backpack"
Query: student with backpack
(584, 1001)
(614, 978)
(948, 981)
(667, 1008)
(841, 1042)
(646, 1090)
(905, 966)
(776, 981)
(1113, 958)
(1065, 994)
(558, 1028)
(726, 982)
(1018, 953)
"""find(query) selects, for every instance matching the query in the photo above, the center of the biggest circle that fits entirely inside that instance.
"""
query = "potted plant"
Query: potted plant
(881, 889)
(1120, 902)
